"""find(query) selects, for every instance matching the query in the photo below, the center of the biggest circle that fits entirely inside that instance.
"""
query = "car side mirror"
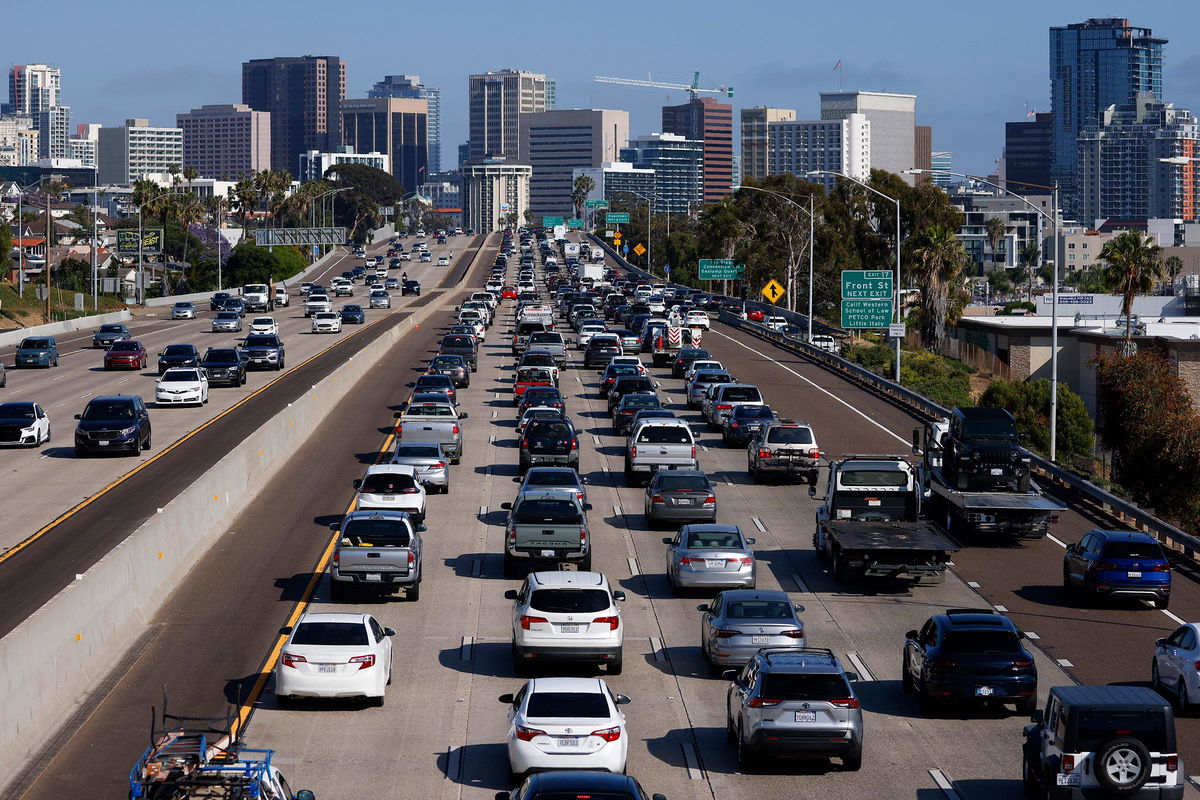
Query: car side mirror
(1036, 716)
(285, 630)
(358, 483)
(730, 675)
(503, 796)
(306, 794)
(517, 479)
(79, 416)
(410, 384)
(702, 607)
(623, 700)
(910, 634)
(587, 506)
(463, 415)
(798, 607)
(751, 541)
(812, 491)
(667, 540)
(333, 526)
(619, 596)
(1160, 642)
(506, 506)
(421, 528)
(511, 594)
(398, 415)
(389, 632)
(852, 677)
(916, 441)
(506, 698)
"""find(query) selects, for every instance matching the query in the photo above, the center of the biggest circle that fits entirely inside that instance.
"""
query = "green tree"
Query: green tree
(580, 190)
(1133, 263)
(6, 247)
(995, 229)
(1029, 403)
(357, 208)
(246, 193)
(936, 260)
(1173, 265)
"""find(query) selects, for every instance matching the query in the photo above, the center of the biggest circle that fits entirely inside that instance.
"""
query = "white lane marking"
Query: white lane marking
(759, 524)
(633, 566)
(492, 439)
(1001, 609)
(949, 563)
(728, 480)
(483, 511)
(493, 413)
(59, 378)
(604, 468)
(694, 771)
(895, 436)
(945, 784)
(656, 647)
(123, 380)
(801, 586)
(973, 584)
(464, 651)
(1178, 619)
(1056, 540)
(864, 674)
(704, 447)
(1031, 636)
(595, 439)
(617, 511)
(1062, 662)
(495, 395)
(85, 394)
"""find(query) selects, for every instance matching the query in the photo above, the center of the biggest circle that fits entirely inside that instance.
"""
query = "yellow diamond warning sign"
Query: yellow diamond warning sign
(772, 291)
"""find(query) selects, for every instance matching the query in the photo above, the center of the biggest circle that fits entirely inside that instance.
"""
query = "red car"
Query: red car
(508, 293)
(755, 314)
(127, 354)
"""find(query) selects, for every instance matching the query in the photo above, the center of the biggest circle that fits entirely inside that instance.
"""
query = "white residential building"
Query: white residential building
(128, 152)
(314, 163)
(492, 191)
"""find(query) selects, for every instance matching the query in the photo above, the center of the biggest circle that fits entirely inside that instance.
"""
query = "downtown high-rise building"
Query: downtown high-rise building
(496, 102)
(678, 167)
(1028, 148)
(409, 87)
(755, 142)
(226, 141)
(1094, 65)
(556, 143)
(134, 150)
(892, 118)
(395, 127)
(303, 95)
(36, 90)
(707, 120)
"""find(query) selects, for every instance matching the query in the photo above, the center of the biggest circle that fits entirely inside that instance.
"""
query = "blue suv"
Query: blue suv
(969, 655)
(1118, 564)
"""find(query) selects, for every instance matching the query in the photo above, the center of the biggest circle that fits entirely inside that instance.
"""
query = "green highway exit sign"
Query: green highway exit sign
(595, 204)
(550, 222)
(866, 314)
(616, 216)
(866, 284)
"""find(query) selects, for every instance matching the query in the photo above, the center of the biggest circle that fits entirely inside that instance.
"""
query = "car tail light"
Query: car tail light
(582, 535)
(1022, 664)
(337, 558)
(793, 633)
(608, 734)
(712, 498)
(438, 465)
(1172, 763)
(633, 452)
(527, 734)
(575, 444)
(1068, 763)
(724, 633)
(723, 407)
(849, 702)
(692, 560)
(613, 622)
(412, 559)
(943, 662)
(526, 621)
(411, 490)
(291, 659)
(764, 702)
(657, 499)
(364, 662)
(1107, 566)
(1161, 568)
(745, 561)
(399, 426)
(764, 453)
(456, 430)
(814, 453)
(524, 444)
(512, 536)
(693, 451)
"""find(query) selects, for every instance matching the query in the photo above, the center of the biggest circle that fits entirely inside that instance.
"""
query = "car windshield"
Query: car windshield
(664, 434)
(178, 350)
(377, 532)
(873, 477)
(547, 510)
(741, 394)
(754, 412)
(1145, 551)
(983, 642)
(220, 356)
(180, 376)
(805, 687)
(111, 329)
(260, 341)
(119, 347)
(35, 344)
(989, 429)
(330, 633)
(758, 609)
(567, 704)
(790, 435)
(1147, 726)
(714, 540)
(263, 321)
(388, 483)
(103, 410)
(17, 411)
(569, 601)
(227, 315)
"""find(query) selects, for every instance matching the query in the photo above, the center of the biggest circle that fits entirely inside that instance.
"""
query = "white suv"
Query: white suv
(391, 487)
(566, 616)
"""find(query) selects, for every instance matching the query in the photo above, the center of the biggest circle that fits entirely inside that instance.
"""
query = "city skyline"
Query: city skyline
(966, 105)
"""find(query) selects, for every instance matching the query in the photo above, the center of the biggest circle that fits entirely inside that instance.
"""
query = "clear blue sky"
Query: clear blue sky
(972, 66)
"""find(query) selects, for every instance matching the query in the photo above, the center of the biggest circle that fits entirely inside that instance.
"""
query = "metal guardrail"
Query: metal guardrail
(1089, 492)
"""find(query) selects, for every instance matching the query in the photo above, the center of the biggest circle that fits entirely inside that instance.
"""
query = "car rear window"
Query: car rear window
(640, 401)
(714, 540)
(551, 478)
(567, 704)
(665, 434)
(457, 341)
(377, 533)
(791, 436)
(119, 347)
(805, 687)
(682, 483)
(330, 633)
(416, 451)
(434, 380)
(569, 601)
(545, 337)
(741, 394)
(1147, 551)
(547, 510)
(549, 429)
(754, 412)
(428, 411)
(630, 385)
(389, 483)
(758, 609)
(872, 477)
(983, 642)
(1148, 726)
(262, 341)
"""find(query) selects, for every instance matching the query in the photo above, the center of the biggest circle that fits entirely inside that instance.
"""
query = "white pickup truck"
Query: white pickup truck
(659, 443)
(317, 303)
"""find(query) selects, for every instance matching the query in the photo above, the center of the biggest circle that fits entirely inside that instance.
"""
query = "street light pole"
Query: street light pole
(811, 230)
(139, 290)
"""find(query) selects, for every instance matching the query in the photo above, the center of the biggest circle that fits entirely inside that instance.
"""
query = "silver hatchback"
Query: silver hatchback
(701, 382)
(431, 466)
(740, 622)
(710, 556)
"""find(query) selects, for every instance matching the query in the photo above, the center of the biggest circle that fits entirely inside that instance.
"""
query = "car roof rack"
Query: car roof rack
(952, 611)
(797, 651)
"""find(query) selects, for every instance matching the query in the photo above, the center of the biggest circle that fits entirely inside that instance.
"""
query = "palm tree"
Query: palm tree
(1173, 265)
(1029, 254)
(936, 259)
(584, 186)
(246, 193)
(190, 173)
(995, 230)
(176, 174)
(1133, 262)
(188, 208)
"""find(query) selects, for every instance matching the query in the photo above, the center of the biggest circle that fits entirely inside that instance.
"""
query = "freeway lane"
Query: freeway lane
(65, 481)
(1023, 577)
(30, 577)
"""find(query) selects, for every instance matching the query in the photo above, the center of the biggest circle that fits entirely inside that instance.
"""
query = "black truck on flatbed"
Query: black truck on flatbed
(1015, 508)
(870, 524)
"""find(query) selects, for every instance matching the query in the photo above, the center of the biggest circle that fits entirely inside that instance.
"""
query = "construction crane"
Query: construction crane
(693, 90)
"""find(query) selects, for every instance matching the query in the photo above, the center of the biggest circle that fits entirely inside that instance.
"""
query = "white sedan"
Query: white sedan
(181, 386)
(335, 655)
(266, 325)
(1174, 670)
(23, 423)
(391, 487)
(566, 723)
(697, 319)
(327, 322)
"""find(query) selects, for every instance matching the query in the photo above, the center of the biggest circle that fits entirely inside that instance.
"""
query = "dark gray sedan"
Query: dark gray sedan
(740, 622)
(454, 367)
(711, 556)
(682, 495)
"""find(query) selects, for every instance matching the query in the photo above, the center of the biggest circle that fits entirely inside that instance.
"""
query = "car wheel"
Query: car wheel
(852, 762)
(753, 470)
(1028, 779)
(906, 681)
(378, 701)
(614, 667)
(1122, 765)
(55, 364)
(1026, 706)
(338, 591)
(1181, 698)
(746, 757)
(147, 445)
(730, 731)
(1162, 602)
(586, 564)
(1155, 678)
(48, 434)
(413, 593)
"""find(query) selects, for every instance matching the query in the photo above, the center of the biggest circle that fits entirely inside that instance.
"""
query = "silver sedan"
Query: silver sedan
(739, 622)
(431, 466)
(710, 556)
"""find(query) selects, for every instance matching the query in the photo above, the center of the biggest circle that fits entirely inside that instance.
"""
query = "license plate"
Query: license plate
(806, 716)
(570, 629)
(103, 444)
(373, 576)
(568, 741)
(684, 501)
(1133, 574)
(718, 563)
(387, 499)
(1070, 779)
(760, 640)
(547, 554)
(326, 668)
(997, 471)
(984, 691)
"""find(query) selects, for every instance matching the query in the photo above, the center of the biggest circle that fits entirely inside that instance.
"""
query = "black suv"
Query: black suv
(982, 450)
(1103, 741)
(634, 384)
(224, 365)
(460, 345)
(600, 352)
(117, 423)
(549, 442)
(263, 350)
(969, 655)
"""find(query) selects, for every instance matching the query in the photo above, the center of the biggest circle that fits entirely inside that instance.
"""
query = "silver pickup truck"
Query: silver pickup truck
(656, 444)
(552, 342)
(376, 550)
(432, 422)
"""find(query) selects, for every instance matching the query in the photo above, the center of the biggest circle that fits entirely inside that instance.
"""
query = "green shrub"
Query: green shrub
(1009, 308)
(940, 379)
(878, 358)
